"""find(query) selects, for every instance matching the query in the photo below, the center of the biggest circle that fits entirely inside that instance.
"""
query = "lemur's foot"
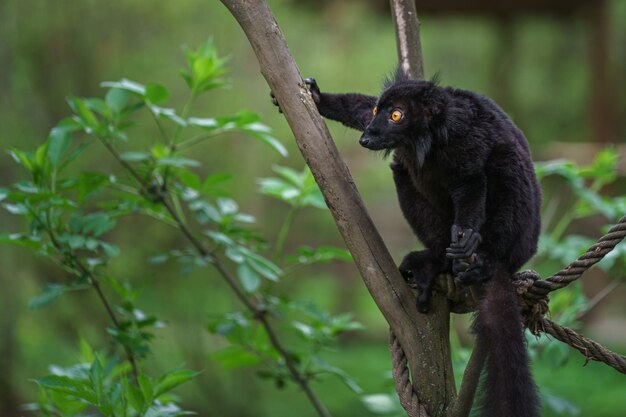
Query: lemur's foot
(470, 271)
(417, 269)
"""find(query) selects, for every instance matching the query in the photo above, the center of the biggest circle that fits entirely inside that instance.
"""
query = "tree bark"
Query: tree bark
(424, 338)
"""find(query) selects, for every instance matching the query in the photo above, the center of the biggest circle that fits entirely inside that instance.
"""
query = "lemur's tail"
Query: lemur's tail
(508, 389)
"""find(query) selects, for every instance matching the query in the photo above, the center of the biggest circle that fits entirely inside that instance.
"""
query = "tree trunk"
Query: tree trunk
(424, 338)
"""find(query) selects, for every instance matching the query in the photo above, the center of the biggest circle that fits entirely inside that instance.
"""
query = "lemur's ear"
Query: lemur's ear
(434, 111)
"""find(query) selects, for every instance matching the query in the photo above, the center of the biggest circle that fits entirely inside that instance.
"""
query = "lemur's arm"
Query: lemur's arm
(351, 109)
(468, 196)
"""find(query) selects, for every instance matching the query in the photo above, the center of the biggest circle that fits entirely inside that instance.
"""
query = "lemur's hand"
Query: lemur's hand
(313, 88)
(464, 242)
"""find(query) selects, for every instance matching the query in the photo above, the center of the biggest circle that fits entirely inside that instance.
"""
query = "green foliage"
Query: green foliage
(102, 382)
(557, 247)
(71, 215)
(586, 184)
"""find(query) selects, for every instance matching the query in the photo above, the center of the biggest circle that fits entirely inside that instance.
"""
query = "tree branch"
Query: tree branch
(424, 338)
(463, 404)
(408, 40)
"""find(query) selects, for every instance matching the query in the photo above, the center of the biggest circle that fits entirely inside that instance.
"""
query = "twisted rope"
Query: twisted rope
(589, 348)
(574, 270)
(533, 298)
(407, 395)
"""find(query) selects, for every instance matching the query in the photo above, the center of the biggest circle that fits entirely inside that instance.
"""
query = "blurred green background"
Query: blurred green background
(559, 73)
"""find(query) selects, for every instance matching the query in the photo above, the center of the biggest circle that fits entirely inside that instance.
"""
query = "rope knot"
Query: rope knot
(533, 307)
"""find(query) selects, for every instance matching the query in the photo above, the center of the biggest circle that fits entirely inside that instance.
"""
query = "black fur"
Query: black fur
(466, 185)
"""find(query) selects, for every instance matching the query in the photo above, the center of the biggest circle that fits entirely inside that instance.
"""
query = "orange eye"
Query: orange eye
(396, 116)
(375, 110)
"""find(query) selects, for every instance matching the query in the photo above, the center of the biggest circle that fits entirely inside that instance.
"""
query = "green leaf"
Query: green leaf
(278, 188)
(21, 158)
(97, 379)
(147, 389)
(204, 68)
(50, 292)
(97, 223)
(263, 266)
(234, 254)
(27, 187)
(248, 277)
(160, 151)
(86, 116)
(117, 99)
(330, 252)
(168, 114)
(133, 156)
(322, 254)
(18, 239)
(205, 123)
(603, 168)
(98, 105)
(86, 352)
(59, 139)
(135, 398)
(294, 177)
(75, 154)
(68, 385)
(172, 379)
(157, 93)
(304, 329)
(341, 374)
(127, 85)
(16, 208)
(177, 161)
(190, 179)
(255, 130)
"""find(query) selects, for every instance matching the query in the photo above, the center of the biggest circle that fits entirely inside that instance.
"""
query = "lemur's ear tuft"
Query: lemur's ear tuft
(397, 75)
(436, 78)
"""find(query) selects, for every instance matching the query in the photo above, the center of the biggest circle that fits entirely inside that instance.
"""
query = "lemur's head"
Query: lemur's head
(409, 114)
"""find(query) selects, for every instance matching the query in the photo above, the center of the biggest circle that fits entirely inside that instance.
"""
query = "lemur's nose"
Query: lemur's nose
(364, 141)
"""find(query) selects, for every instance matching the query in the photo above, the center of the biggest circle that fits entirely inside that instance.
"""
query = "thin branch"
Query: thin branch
(463, 404)
(95, 283)
(257, 312)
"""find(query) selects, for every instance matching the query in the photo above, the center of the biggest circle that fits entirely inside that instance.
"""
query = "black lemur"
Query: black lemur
(466, 185)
